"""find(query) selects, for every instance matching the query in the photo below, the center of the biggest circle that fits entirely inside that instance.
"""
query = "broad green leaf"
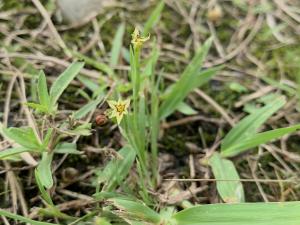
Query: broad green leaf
(190, 79)
(23, 219)
(82, 130)
(117, 169)
(43, 94)
(43, 170)
(62, 82)
(285, 213)
(44, 193)
(153, 18)
(23, 136)
(248, 126)
(136, 210)
(65, 147)
(12, 151)
(229, 187)
(101, 221)
(133, 222)
(38, 107)
(258, 139)
(117, 45)
(186, 109)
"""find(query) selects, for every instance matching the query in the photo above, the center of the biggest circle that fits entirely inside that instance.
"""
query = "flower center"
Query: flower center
(120, 108)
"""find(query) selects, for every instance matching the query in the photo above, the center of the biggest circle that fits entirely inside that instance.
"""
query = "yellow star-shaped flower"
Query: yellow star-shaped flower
(137, 40)
(118, 109)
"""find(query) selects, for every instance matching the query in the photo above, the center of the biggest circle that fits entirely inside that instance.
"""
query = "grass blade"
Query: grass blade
(23, 219)
(186, 109)
(82, 112)
(96, 64)
(62, 82)
(187, 82)
(136, 210)
(232, 190)
(241, 214)
(117, 45)
(43, 94)
(250, 124)
(116, 171)
(154, 18)
(257, 140)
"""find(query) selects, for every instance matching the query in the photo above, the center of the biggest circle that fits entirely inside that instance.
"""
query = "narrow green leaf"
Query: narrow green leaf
(12, 151)
(62, 82)
(43, 94)
(96, 64)
(82, 112)
(89, 83)
(229, 187)
(142, 122)
(285, 213)
(258, 139)
(43, 170)
(186, 109)
(150, 63)
(47, 138)
(137, 210)
(134, 73)
(117, 45)
(52, 211)
(204, 76)
(279, 85)
(190, 79)
(153, 18)
(117, 170)
(248, 126)
(23, 219)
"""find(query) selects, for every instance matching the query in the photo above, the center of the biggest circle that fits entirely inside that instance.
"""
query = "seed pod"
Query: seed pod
(69, 174)
(215, 13)
(101, 119)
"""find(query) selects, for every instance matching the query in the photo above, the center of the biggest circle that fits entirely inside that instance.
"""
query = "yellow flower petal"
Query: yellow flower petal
(127, 103)
(135, 34)
(112, 103)
(119, 118)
